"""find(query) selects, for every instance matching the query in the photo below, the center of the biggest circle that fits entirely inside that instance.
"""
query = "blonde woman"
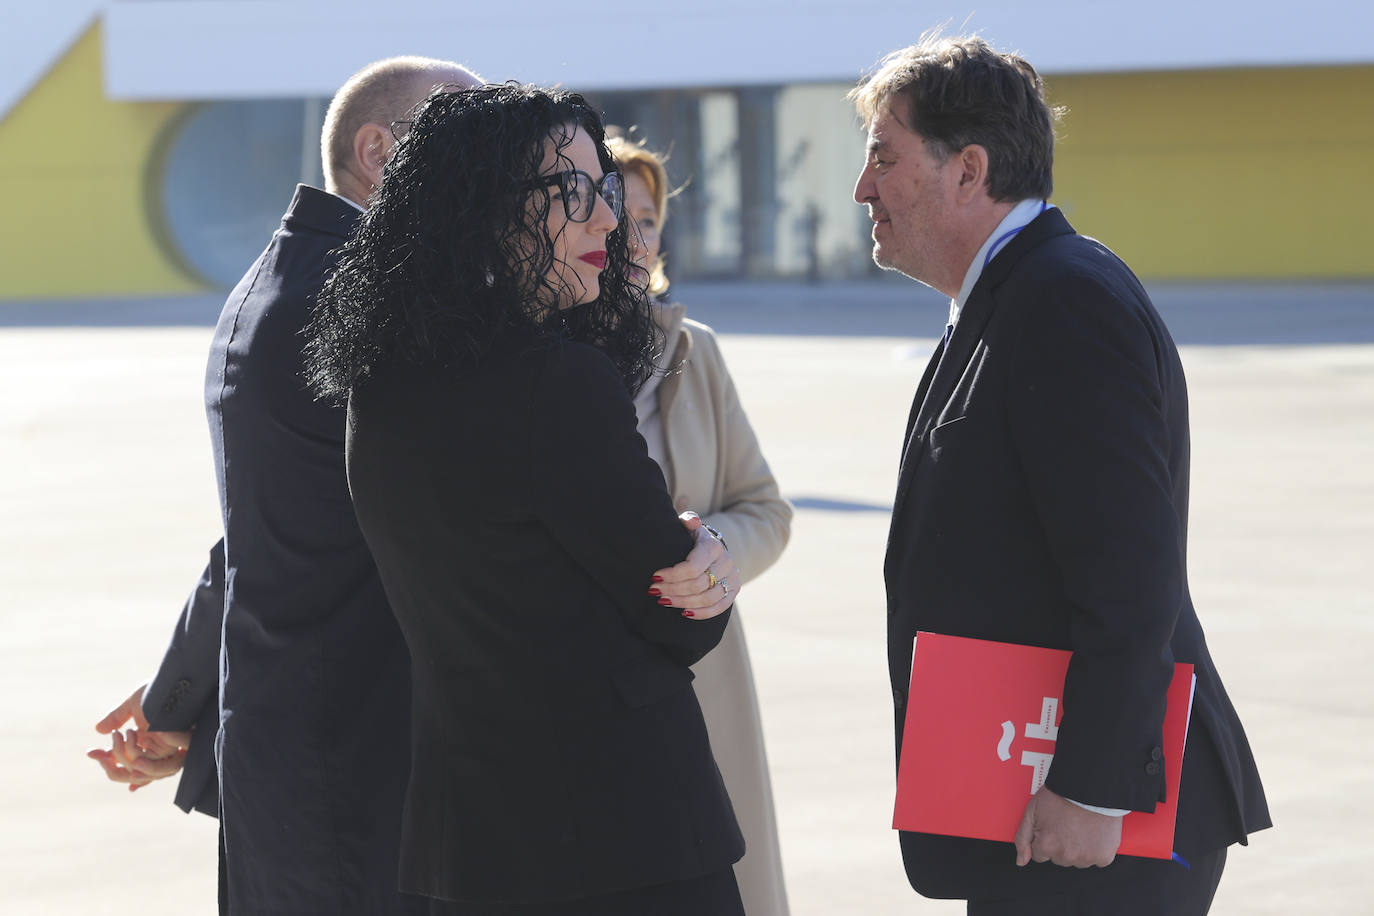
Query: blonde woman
(698, 433)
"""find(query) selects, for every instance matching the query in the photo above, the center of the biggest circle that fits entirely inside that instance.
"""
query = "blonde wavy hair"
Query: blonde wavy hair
(634, 157)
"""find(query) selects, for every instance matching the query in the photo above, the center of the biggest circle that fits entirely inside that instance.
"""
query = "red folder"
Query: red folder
(981, 720)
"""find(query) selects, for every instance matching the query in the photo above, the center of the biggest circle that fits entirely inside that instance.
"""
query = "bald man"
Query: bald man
(287, 675)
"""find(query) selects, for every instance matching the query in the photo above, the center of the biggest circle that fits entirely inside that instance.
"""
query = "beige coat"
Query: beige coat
(713, 465)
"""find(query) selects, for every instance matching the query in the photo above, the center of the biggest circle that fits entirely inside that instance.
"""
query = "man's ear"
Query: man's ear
(973, 171)
(371, 150)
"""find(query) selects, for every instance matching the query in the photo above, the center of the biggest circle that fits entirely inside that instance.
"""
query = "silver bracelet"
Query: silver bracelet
(716, 534)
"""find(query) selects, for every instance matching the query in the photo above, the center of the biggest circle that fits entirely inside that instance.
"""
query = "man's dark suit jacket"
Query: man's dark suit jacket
(1043, 499)
(313, 685)
(516, 518)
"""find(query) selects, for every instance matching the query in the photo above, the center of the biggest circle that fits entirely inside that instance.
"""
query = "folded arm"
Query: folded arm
(603, 498)
(750, 513)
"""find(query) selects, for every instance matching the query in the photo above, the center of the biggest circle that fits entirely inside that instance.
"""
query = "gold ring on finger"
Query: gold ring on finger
(711, 578)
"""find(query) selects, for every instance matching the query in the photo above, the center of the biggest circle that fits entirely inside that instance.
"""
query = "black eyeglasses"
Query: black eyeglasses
(579, 193)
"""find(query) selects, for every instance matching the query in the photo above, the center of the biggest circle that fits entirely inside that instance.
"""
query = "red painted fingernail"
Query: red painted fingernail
(658, 578)
(655, 592)
(665, 601)
(688, 614)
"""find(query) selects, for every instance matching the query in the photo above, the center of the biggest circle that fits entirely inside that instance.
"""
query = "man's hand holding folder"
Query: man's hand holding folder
(981, 723)
(1054, 829)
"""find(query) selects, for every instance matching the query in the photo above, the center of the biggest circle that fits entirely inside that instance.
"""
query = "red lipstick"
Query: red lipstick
(595, 258)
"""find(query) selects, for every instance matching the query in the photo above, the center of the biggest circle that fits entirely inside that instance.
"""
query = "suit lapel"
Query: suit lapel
(942, 375)
(948, 365)
(921, 390)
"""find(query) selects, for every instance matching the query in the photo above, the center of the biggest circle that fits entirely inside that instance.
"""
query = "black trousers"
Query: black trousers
(712, 895)
(223, 875)
(1185, 892)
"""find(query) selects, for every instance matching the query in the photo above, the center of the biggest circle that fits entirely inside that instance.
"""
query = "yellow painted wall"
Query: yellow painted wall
(1218, 174)
(1247, 173)
(72, 182)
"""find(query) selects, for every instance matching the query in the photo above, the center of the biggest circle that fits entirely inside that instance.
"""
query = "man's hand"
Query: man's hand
(138, 756)
(1054, 829)
(705, 584)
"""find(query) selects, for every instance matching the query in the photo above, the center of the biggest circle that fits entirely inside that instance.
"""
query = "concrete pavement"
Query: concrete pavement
(107, 498)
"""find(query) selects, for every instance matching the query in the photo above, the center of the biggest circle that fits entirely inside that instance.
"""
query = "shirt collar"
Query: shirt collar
(352, 203)
(1019, 217)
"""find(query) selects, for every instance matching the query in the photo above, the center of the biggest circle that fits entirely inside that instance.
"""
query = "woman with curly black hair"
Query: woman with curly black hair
(488, 329)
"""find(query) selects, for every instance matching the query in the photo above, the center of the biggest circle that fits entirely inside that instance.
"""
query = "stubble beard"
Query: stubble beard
(886, 262)
(882, 256)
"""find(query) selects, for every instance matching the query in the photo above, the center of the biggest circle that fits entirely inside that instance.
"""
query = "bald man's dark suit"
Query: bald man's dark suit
(1043, 499)
(309, 705)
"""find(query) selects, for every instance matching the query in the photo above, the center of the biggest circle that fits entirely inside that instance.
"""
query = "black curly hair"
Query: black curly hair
(454, 251)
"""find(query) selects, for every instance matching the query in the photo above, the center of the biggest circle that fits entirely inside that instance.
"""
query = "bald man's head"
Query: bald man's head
(356, 140)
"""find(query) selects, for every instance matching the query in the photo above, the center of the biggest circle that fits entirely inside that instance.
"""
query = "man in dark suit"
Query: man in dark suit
(1043, 494)
(287, 673)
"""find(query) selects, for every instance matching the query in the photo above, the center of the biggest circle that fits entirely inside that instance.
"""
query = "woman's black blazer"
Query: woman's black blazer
(516, 519)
